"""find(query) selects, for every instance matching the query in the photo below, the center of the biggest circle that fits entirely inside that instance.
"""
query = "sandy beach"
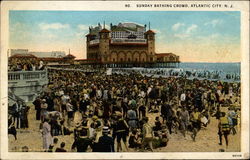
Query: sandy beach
(206, 141)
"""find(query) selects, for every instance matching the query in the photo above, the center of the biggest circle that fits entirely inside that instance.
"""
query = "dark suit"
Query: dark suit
(106, 144)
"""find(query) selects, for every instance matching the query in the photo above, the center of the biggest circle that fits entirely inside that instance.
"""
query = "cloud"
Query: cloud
(192, 28)
(214, 36)
(17, 27)
(82, 27)
(50, 35)
(181, 36)
(186, 33)
(82, 31)
(55, 26)
(214, 22)
(176, 26)
(209, 39)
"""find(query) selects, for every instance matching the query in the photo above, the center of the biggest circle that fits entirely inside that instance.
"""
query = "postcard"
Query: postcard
(136, 79)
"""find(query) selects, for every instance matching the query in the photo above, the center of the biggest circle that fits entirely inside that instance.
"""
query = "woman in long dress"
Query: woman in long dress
(46, 134)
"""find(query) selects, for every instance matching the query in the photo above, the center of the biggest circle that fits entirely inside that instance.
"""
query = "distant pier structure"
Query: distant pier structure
(125, 45)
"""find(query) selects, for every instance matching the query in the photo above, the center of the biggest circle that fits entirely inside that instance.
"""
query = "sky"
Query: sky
(196, 36)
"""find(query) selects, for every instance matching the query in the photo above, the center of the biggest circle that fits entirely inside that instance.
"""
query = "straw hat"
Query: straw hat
(94, 117)
(105, 129)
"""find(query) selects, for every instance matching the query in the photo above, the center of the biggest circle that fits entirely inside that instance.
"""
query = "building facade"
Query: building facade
(52, 54)
(125, 43)
(30, 58)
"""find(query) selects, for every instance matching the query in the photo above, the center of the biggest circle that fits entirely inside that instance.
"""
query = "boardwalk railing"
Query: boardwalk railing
(27, 84)
(27, 75)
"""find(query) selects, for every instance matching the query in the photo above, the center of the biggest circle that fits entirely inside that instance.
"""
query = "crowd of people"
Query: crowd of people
(187, 73)
(83, 105)
(25, 65)
(111, 113)
(18, 117)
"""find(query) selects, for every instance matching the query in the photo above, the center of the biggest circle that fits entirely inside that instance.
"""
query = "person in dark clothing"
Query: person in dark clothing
(134, 140)
(106, 110)
(50, 103)
(142, 111)
(17, 113)
(61, 149)
(124, 108)
(11, 127)
(168, 116)
(223, 128)
(24, 116)
(83, 105)
(167, 113)
(105, 143)
(55, 127)
(121, 131)
(37, 104)
(157, 127)
(82, 142)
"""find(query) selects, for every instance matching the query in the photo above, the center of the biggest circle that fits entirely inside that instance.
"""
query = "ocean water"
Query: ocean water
(223, 67)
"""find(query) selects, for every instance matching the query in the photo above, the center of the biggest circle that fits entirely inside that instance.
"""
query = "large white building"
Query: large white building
(127, 30)
(12, 52)
(125, 44)
(55, 54)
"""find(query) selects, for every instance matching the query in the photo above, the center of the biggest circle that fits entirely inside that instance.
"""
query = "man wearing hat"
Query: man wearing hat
(37, 104)
(121, 131)
(82, 142)
(106, 142)
(44, 111)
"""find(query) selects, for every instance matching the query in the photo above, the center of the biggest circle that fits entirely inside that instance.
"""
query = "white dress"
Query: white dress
(47, 138)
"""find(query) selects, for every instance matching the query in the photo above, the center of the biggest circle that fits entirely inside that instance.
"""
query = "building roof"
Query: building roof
(51, 59)
(123, 29)
(104, 30)
(149, 31)
(94, 45)
(69, 56)
(89, 34)
(81, 59)
(23, 56)
(48, 54)
(164, 54)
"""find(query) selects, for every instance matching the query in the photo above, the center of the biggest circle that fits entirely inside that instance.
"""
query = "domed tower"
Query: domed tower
(150, 36)
(104, 44)
(88, 38)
